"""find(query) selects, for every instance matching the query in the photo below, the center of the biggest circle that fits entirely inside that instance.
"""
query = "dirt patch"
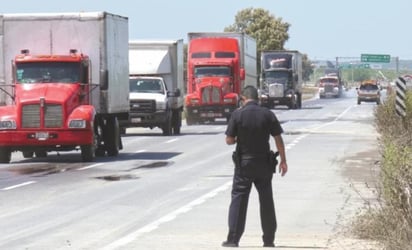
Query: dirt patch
(362, 167)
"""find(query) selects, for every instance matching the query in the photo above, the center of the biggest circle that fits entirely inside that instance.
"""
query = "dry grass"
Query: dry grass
(390, 222)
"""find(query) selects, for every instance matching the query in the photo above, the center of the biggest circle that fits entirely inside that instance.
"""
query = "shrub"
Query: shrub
(391, 221)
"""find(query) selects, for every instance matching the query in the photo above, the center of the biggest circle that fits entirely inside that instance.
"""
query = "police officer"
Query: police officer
(250, 127)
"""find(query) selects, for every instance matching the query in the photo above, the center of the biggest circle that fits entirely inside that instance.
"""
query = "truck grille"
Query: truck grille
(276, 90)
(211, 95)
(143, 106)
(329, 88)
(53, 116)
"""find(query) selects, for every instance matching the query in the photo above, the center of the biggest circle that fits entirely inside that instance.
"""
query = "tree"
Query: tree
(307, 67)
(270, 33)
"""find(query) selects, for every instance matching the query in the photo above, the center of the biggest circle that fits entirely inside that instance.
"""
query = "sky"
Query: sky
(324, 30)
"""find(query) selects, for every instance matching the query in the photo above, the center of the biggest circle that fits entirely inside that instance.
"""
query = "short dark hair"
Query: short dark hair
(250, 92)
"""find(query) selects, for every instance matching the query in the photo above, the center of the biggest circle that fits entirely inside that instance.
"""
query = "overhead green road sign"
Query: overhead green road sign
(375, 58)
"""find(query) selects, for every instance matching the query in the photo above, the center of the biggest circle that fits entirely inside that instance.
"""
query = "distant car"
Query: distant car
(369, 91)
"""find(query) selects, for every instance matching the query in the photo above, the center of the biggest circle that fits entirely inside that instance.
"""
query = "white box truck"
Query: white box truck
(63, 83)
(156, 82)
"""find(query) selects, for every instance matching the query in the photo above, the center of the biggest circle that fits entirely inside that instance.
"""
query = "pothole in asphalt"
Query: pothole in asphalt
(157, 164)
(117, 177)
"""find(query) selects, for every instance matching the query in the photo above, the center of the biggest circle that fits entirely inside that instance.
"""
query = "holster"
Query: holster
(236, 158)
(273, 161)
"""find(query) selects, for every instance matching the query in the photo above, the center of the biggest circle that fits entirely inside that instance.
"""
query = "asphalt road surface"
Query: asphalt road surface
(173, 192)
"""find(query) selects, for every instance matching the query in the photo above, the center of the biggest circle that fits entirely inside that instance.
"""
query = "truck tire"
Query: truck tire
(88, 152)
(112, 136)
(189, 120)
(292, 102)
(177, 122)
(167, 126)
(40, 154)
(5, 155)
(28, 154)
(299, 96)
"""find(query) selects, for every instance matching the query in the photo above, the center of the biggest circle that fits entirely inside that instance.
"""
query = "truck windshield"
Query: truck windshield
(146, 86)
(45, 72)
(277, 77)
(329, 80)
(212, 71)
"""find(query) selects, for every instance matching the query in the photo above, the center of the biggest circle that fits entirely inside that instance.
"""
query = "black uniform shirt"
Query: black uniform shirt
(253, 125)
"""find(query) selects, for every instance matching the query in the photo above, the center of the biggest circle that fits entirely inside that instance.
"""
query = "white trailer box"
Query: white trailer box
(248, 52)
(156, 85)
(162, 58)
(100, 35)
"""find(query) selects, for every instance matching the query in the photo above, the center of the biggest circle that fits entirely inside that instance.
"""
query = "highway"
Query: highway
(173, 192)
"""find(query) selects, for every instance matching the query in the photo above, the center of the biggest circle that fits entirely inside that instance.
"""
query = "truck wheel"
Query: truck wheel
(88, 153)
(177, 122)
(112, 134)
(5, 155)
(292, 102)
(41, 154)
(299, 95)
(189, 120)
(167, 126)
(122, 130)
(28, 154)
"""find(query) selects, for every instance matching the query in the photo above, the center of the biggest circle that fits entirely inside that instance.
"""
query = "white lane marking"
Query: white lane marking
(91, 166)
(169, 217)
(334, 120)
(141, 151)
(171, 140)
(18, 185)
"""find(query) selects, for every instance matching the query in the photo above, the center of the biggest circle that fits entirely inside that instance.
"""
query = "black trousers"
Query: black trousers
(257, 173)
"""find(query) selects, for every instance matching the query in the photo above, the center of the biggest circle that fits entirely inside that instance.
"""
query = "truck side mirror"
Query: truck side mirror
(175, 93)
(242, 74)
(104, 79)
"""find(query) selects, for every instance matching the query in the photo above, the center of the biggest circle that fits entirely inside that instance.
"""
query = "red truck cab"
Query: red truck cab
(214, 76)
(50, 109)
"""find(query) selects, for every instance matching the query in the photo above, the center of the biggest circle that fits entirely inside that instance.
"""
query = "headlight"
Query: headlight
(194, 101)
(228, 100)
(10, 124)
(160, 105)
(77, 124)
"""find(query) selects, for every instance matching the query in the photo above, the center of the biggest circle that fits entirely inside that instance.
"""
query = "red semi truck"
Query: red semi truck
(66, 86)
(219, 65)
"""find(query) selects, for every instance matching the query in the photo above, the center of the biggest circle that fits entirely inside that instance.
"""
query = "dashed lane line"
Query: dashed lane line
(18, 185)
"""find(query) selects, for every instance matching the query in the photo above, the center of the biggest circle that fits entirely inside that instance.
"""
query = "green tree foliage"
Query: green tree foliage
(307, 67)
(270, 33)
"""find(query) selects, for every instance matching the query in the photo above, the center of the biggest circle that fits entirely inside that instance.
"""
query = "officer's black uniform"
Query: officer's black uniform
(252, 125)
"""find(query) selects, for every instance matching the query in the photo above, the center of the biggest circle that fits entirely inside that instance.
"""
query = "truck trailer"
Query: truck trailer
(219, 65)
(281, 78)
(156, 85)
(64, 83)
